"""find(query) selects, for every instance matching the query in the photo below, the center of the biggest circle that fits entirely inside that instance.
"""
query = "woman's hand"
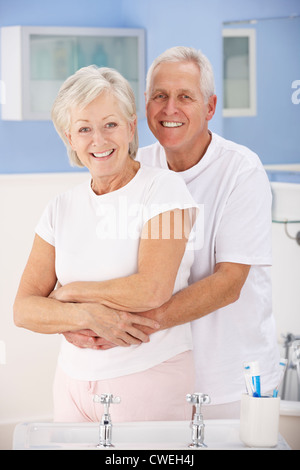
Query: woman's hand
(87, 339)
(111, 327)
(108, 327)
(118, 327)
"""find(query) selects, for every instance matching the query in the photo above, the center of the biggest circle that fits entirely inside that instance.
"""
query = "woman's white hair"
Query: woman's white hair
(81, 89)
(186, 54)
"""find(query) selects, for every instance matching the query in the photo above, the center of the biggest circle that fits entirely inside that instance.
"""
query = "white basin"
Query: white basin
(176, 435)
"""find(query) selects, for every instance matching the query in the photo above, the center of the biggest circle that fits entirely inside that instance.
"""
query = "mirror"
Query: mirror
(261, 94)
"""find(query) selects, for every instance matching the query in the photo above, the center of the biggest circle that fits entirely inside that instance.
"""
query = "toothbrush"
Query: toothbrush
(252, 378)
(254, 366)
(248, 380)
(282, 365)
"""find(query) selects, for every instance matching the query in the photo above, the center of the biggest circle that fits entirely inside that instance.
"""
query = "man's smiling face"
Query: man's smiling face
(176, 112)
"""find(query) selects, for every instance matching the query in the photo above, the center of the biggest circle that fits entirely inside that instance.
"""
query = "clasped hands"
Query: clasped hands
(111, 327)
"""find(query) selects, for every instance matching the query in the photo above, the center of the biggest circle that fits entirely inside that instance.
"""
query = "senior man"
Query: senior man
(228, 300)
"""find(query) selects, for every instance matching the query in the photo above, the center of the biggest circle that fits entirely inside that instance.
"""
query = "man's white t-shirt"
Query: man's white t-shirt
(97, 238)
(231, 185)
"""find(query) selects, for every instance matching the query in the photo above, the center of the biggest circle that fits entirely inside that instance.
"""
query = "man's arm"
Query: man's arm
(218, 290)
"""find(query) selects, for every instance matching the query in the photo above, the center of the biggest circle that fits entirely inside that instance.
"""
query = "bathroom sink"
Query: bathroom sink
(160, 435)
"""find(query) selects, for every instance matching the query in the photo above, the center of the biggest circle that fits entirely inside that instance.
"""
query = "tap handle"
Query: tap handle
(106, 399)
(198, 399)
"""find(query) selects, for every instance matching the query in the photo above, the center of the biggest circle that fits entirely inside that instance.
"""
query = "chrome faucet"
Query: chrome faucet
(197, 425)
(105, 429)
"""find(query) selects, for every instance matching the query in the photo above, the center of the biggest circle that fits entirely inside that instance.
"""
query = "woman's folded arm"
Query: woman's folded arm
(160, 254)
(35, 310)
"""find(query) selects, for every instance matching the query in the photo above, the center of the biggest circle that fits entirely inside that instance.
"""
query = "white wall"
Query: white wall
(26, 379)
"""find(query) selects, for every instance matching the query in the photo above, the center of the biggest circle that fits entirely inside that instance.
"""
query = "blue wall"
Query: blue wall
(274, 132)
(27, 147)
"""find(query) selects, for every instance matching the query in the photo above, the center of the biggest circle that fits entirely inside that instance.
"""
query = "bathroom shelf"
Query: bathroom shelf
(286, 221)
(35, 61)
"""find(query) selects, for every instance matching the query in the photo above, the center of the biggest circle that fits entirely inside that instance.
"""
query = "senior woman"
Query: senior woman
(115, 244)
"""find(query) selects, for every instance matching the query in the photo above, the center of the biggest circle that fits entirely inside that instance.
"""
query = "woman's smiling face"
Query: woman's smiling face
(100, 135)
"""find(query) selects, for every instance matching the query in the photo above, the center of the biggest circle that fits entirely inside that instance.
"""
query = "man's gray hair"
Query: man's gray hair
(81, 89)
(187, 54)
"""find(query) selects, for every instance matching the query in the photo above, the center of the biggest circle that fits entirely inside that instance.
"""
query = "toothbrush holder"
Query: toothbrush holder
(259, 421)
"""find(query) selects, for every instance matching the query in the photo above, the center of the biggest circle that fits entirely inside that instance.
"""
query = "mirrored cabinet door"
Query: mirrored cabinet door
(239, 72)
(47, 56)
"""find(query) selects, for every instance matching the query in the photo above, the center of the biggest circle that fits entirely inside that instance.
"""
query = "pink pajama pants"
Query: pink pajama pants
(154, 394)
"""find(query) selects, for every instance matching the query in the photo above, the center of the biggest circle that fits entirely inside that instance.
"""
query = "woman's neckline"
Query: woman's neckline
(117, 190)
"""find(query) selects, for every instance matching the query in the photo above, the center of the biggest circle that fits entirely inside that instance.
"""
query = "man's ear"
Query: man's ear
(145, 94)
(211, 107)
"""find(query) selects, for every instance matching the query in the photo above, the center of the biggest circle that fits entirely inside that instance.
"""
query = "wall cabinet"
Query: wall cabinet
(35, 61)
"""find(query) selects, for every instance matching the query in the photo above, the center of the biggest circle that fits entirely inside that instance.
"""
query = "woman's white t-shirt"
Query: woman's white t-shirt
(96, 238)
